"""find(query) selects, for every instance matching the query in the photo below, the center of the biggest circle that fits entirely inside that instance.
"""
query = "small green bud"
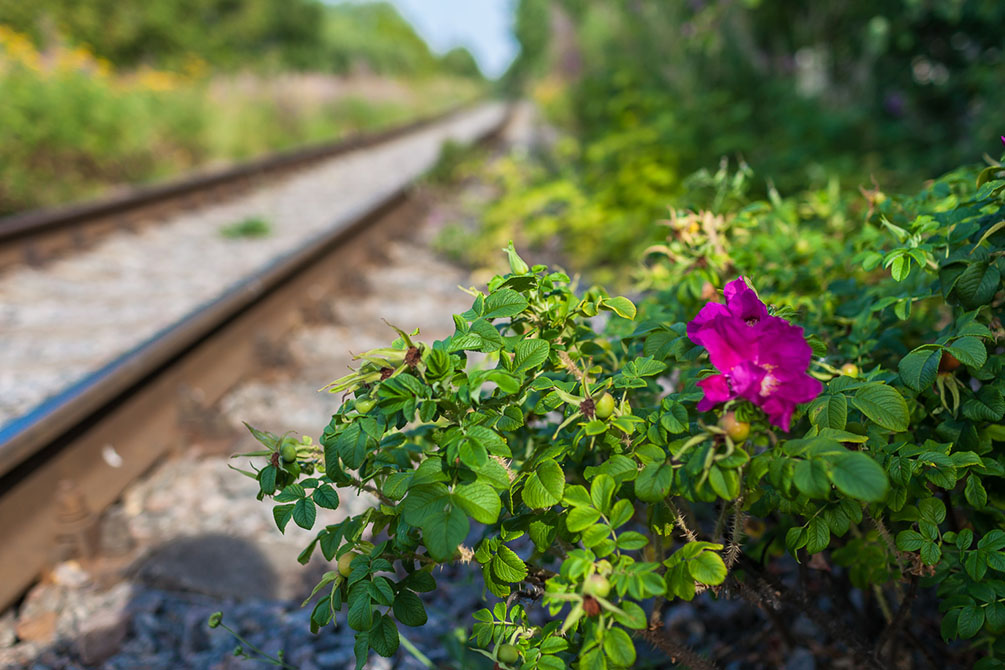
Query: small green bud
(238, 650)
(215, 619)
(516, 264)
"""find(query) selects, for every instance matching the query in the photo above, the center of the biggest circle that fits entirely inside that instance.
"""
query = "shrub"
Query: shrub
(892, 470)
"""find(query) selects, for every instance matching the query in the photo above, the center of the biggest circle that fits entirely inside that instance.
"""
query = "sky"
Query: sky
(483, 26)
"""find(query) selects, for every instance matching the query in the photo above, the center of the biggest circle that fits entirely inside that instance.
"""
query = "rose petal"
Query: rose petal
(743, 303)
(716, 390)
(709, 313)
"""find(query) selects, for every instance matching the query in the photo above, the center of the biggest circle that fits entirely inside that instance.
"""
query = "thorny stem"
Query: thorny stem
(733, 550)
(833, 626)
(372, 489)
(681, 523)
(767, 602)
(677, 652)
(890, 632)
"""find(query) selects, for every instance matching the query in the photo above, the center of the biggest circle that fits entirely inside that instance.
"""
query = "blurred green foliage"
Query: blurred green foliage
(71, 125)
(105, 92)
(238, 34)
(645, 92)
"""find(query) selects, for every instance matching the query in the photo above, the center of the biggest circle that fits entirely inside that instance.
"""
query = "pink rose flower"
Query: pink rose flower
(761, 358)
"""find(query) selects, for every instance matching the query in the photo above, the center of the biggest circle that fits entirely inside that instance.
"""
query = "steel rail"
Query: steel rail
(130, 404)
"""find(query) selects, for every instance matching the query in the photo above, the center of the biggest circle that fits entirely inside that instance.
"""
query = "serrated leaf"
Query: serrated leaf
(545, 486)
(909, 540)
(883, 405)
(621, 306)
(408, 609)
(975, 493)
(810, 477)
(327, 497)
(707, 568)
(919, 368)
(304, 513)
(507, 566)
(619, 648)
(970, 351)
(581, 518)
(989, 405)
(384, 636)
(601, 490)
(970, 622)
(530, 354)
(818, 535)
(360, 615)
(653, 483)
(504, 302)
(856, 475)
(480, 501)
(977, 284)
(444, 531)
(282, 515)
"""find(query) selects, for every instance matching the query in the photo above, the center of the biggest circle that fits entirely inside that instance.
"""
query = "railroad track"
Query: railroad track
(71, 456)
(37, 236)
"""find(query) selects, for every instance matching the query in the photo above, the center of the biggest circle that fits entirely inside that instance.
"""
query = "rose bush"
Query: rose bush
(856, 446)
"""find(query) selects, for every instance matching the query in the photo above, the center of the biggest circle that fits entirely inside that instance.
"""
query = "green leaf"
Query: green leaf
(444, 531)
(970, 351)
(381, 591)
(707, 568)
(282, 514)
(975, 493)
(507, 566)
(989, 405)
(831, 411)
(930, 552)
(856, 475)
(581, 518)
(291, 493)
(618, 648)
(633, 616)
(601, 490)
(529, 354)
(919, 368)
(384, 636)
(327, 497)
(970, 622)
(360, 614)
(818, 535)
(545, 485)
(909, 540)
(480, 501)
(653, 483)
(810, 478)
(977, 285)
(631, 540)
(408, 609)
(504, 302)
(304, 513)
(901, 268)
(267, 479)
(621, 306)
(883, 405)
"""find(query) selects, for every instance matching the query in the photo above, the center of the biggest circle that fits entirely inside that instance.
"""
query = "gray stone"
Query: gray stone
(801, 659)
(100, 635)
(8, 635)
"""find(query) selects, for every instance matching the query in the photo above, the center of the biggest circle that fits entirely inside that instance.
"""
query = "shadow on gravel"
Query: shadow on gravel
(214, 565)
